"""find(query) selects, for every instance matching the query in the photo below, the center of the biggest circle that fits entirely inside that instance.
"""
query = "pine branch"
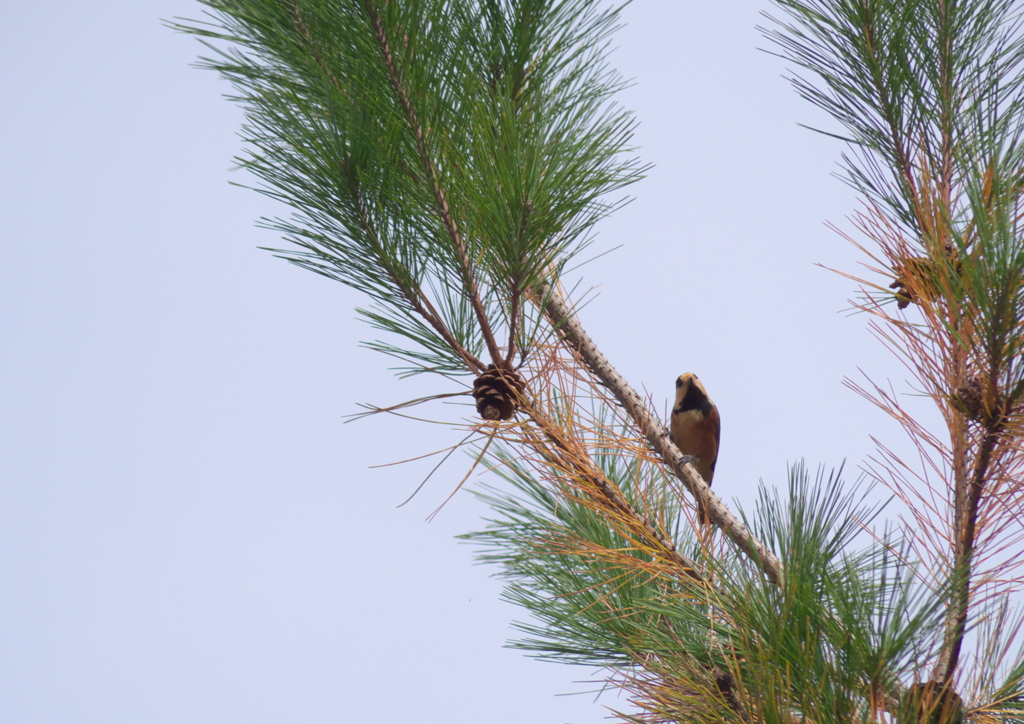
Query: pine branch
(416, 299)
(930, 94)
(440, 196)
(964, 554)
(568, 326)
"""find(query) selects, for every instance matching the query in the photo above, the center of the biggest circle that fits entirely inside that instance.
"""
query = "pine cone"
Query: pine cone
(918, 278)
(497, 393)
(969, 399)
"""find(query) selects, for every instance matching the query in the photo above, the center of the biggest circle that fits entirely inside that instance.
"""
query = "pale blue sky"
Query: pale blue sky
(189, 532)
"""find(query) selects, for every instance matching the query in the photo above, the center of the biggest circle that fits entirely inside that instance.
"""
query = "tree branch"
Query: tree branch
(570, 329)
(435, 182)
(963, 558)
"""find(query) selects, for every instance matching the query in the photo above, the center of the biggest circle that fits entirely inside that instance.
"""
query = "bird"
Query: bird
(696, 427)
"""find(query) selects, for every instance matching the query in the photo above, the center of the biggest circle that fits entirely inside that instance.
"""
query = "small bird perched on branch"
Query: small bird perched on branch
(696, 427)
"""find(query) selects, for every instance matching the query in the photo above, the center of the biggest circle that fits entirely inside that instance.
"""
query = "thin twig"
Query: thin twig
(415, 297)
(307, 36)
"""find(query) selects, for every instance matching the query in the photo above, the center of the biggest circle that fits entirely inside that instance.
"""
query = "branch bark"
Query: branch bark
(968, 501)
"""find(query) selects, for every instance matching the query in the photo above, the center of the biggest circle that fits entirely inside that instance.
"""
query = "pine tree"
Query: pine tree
(450, 158)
